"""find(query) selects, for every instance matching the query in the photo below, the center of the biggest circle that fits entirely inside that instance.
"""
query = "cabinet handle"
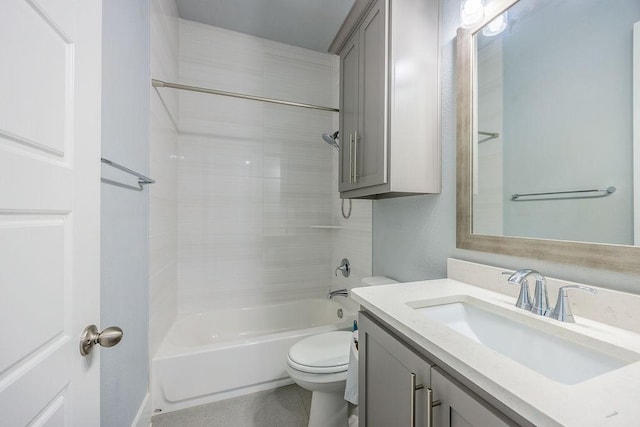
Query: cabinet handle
(351, 158)
(355, 157)
(430, 405)
(414, 387)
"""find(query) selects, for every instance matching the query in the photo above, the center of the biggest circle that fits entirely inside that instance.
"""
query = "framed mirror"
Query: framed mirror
(548, 120)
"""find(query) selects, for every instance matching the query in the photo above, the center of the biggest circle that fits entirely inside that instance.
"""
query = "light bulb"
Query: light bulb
(496, 26)
(471, 13)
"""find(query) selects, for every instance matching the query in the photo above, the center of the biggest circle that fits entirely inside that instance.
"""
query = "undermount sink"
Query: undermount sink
(556, 358)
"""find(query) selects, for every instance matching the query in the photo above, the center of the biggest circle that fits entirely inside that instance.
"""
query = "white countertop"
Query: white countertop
(611, 399)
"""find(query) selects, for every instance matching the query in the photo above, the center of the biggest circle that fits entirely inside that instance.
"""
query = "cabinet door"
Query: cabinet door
(385, 381)
(460, 407)
(371, 142)
(349, 75)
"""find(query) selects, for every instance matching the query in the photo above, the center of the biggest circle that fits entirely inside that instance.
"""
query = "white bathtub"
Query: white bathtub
(216, 355)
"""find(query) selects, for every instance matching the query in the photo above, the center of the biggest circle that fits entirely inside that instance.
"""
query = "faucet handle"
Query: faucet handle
(516, 276)
(562, 310)
(524, 300)
(345, 267)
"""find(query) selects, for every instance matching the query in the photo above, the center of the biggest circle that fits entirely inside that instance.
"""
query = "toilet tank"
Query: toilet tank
(377, 280)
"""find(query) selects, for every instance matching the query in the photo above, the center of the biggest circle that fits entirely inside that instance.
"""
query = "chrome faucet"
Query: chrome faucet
(562, 309)
(524, 300)
(540, 298)
(340, 292)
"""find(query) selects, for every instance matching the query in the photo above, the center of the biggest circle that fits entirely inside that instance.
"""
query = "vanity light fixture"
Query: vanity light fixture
(471, 13)
(496, 26)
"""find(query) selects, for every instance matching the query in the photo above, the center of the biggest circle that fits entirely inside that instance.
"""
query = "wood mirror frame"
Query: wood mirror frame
(595, 255)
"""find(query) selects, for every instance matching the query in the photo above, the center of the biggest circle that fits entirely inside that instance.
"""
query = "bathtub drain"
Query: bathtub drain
(340, 313)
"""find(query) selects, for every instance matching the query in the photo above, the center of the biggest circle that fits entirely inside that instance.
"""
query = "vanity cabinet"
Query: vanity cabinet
(457, 406)
(390, 376)
(389, 99)
(395, 382)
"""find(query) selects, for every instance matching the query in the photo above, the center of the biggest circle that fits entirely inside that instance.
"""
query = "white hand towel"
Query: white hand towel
(351, 388)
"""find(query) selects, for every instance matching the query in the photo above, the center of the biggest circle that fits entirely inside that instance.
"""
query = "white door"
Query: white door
(50, 78)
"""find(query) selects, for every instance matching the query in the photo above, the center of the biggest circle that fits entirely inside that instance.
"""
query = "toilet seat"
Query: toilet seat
(324, 353)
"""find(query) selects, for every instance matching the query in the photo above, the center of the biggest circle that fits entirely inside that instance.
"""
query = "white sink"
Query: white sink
(555, 357)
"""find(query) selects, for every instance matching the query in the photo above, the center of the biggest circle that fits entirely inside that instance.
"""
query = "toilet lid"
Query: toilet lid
(322, 353)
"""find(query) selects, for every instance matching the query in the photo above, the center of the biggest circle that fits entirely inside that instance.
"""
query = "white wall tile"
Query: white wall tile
(222, 59)
(254, 177)
(354, 242)
(163, 229)
(163, 304)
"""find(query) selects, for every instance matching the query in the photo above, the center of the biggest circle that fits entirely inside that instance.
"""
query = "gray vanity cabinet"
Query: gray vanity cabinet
(389, 102)
(395, 380)
(386, 367)
(459, 407)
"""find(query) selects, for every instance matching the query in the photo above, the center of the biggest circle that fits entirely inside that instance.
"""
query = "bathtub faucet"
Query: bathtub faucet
(341, 292)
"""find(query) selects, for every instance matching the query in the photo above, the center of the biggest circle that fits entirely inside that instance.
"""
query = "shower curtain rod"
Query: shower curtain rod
(160, 83)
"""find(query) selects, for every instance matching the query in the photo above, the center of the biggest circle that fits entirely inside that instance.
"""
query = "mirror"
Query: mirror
(546, 131)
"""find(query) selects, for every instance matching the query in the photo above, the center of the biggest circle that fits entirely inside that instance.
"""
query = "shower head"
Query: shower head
(331, 139)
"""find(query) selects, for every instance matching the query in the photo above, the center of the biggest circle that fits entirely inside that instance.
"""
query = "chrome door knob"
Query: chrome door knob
(107, 338)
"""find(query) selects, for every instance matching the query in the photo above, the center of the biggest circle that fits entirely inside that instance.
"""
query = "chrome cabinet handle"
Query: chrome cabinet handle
(414, 387)
(430, 403)
(351, 158)
(355, 157)
(107, 338)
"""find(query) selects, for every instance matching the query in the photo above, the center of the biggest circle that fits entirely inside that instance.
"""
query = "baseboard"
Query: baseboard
(143, 417)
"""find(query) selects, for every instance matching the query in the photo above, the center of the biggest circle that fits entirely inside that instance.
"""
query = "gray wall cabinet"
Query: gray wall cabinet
(362, 65)
(395, 382)
(389, 99)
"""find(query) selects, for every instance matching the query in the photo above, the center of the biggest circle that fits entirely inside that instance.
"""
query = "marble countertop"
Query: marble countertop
(610, 399)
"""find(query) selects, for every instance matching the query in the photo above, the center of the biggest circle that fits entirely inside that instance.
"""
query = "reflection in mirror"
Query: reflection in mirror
(554, 114)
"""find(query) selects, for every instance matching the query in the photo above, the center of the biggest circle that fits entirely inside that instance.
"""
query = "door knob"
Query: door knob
(107, 338)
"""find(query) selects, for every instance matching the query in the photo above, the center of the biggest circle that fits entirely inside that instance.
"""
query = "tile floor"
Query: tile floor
(281, 407)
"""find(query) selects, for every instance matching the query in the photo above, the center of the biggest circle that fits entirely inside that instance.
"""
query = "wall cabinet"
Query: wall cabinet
(398, 385)
(389, 99)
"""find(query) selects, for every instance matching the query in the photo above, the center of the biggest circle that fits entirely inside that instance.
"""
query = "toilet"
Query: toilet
(319, 364)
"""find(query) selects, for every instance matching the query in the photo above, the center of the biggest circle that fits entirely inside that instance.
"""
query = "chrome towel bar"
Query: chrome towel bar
(142, 180)
(601, 192)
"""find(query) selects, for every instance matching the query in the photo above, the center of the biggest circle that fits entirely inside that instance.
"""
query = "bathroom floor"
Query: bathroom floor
(281, 407)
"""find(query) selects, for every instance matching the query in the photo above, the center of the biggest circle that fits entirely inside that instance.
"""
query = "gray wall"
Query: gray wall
(576, 133)
(414, 236)
(125, 213)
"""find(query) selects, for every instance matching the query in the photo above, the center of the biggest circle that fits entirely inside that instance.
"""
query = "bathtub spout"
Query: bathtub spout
(340, 292)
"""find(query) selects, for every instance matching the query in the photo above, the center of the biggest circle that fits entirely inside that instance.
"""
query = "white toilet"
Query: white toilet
(319, 364)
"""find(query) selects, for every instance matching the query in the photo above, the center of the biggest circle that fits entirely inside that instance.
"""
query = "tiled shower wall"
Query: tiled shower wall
(255, 178)
(163, 228)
